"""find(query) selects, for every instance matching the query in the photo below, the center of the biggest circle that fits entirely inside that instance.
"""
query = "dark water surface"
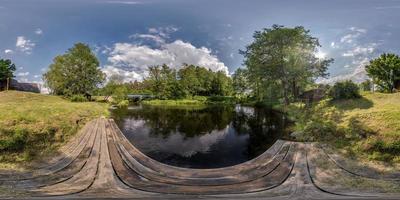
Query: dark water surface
(207, 137)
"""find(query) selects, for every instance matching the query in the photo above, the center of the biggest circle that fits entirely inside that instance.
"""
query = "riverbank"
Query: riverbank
(367, 128)
(194, 101)
(34, 125)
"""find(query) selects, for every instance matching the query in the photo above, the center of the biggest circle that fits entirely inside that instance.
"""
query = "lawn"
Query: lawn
(367, 128)
(34, 125)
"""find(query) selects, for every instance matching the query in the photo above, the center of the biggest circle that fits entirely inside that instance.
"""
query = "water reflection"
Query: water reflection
(208, 137)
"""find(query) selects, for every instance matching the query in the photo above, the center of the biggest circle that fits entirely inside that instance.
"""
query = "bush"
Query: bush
(16, 142)
(78, 98)
(366, 85)
(123, 103)
(222, 99)
(344, 90)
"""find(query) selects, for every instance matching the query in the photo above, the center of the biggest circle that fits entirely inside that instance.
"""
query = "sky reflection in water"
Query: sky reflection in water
(208, 137)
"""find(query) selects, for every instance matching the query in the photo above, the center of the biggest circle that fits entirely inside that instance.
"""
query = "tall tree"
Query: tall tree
(7, 69)
(285, 57)
(75, 72)
(385, 71)
(240, 81)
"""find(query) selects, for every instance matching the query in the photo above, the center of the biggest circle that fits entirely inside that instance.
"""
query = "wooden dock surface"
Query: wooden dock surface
(100, 163)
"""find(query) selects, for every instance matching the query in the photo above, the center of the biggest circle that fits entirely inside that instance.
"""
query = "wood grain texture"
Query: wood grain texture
(100, 163)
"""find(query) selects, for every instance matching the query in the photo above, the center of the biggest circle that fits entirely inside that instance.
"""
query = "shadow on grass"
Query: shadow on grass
(350, 104)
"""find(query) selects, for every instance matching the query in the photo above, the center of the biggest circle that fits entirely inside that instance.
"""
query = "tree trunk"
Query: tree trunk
(8, 84)
(285, 93)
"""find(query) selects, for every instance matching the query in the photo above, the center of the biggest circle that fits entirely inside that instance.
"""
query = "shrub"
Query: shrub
(78, 98)
(222, 99)
(344, 90)
(366, 85)
(123, 103)
(16, 142)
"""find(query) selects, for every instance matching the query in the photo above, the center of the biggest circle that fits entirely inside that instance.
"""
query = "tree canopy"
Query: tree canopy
(190, 80)
(75, 72)
(285, 59)
(385, 72)
(168, 83)
(7, 69)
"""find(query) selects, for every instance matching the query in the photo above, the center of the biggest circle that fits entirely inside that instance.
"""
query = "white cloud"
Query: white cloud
(132, 61)
(23, 74)
(359, 50)
(358, 75)
(24, 45)
(8, 51)
(158, 35)
(155, 38)
(353, 35)
(39, 31)
(387, 7)
(124, 2)
(360, 30)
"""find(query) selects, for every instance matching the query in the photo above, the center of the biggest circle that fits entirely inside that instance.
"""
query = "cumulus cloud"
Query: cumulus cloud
(8, 51)
(38, 31)
(24, 45)
(131, 61)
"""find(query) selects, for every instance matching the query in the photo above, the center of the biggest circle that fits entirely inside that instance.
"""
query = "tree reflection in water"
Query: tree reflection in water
(205, 137)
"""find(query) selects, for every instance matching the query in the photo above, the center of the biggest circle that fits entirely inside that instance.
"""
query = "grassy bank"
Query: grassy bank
(33, 125)
(194, 101)
(368, 127)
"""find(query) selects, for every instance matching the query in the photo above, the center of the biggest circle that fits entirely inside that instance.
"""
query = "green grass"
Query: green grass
(34, 125)
(368, 127)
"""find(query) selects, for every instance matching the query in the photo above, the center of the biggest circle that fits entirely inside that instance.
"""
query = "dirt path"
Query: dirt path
(102, 163)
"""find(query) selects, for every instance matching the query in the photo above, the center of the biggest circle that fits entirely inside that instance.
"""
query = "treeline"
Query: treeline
(166, 83)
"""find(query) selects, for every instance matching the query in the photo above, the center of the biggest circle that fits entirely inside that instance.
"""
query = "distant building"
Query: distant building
(15, 85)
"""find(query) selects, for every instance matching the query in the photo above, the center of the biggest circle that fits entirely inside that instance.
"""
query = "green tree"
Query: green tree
(221, 84)
(240, 81)
(385, 72)
(285, 57)
(75, 72)
(190, 80)
(7, 69)
(366, 85)
(344, 90)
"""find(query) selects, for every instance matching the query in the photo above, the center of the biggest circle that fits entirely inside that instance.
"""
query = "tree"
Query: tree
(75, 72)
(7, 69)
(283, 57)
(385, 72)
(366, 85)
(221, 84)
(240, 81)
(344, 90)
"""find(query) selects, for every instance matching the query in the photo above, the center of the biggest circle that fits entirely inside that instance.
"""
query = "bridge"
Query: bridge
(101, 163)
(139, 97)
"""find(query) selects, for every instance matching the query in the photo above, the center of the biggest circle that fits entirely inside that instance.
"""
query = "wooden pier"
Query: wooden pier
(101, 163)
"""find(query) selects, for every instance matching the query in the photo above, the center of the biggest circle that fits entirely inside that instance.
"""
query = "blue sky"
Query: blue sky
(129, 35)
